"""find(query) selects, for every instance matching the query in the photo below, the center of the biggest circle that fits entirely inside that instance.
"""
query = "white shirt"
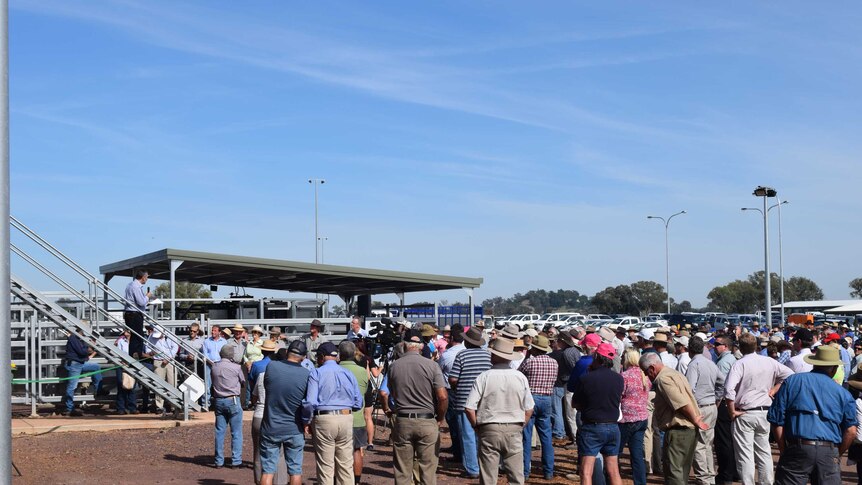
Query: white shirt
(797, 364)
(260, 392)
(668, 360)
(683, 361)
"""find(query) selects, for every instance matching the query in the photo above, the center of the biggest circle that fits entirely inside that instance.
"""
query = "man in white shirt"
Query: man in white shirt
(803, 339)
(660, 343)
(682, 357)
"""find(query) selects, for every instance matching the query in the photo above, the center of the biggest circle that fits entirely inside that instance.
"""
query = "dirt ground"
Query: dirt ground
(184, 455)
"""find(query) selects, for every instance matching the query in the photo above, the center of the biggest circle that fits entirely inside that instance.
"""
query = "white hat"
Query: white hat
(701, 336)
(682, 341)
(646, 333)
(531, 332)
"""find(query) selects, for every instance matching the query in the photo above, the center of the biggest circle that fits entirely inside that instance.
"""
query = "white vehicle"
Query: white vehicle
(555, 319)
(527, 319)
(627, 322)
(656, 318)
(599, 316)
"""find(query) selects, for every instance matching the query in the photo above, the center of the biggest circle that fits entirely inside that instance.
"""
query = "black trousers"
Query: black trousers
(725, 462)
(798, 463)
(135, 321)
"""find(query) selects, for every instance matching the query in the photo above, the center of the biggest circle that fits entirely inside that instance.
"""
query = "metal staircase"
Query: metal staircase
(106, 349)
(99, 313)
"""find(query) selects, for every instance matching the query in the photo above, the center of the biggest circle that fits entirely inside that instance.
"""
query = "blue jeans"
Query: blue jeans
(126, 398)
(75, 369)
(557, 420)
(632, 435)
(469, 450)
(541, 418)
(228, 412)
(454, 428)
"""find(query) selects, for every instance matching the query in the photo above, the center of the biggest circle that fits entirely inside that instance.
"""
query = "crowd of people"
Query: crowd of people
(684, 404)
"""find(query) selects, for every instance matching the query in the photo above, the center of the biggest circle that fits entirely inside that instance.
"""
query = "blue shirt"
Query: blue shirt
(307, 364)
(136, 294)
(212, 348)
(351, 335)
(284, 411)
(257, 368)
(76, 349)
(581, 368)
(332, 387)
(811, 406)
(845, 357)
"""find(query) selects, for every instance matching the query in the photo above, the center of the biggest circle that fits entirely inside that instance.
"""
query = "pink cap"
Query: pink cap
(606, 350)
(591, 340)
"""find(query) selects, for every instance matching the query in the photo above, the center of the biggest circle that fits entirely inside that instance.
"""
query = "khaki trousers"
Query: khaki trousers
(167, 373)
(652, 440)
(570, 415)
(704, 469)
(333, 449)
(501, 443)
(677, 454)
(415, 440)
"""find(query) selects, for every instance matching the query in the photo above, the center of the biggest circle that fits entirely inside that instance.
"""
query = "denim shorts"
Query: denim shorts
(270, 451)
(598, 438)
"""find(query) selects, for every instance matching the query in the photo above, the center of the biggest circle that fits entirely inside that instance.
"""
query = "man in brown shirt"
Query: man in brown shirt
(677, 414)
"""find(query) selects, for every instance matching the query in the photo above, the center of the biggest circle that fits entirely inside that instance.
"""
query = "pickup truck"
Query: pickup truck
(627, 322)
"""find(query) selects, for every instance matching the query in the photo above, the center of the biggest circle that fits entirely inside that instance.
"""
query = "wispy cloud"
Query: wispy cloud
(388, 74)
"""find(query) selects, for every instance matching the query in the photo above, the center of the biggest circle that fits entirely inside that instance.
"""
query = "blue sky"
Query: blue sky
(524, 143)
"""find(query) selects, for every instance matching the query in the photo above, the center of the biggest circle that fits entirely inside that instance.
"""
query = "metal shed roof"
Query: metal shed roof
(277, 274)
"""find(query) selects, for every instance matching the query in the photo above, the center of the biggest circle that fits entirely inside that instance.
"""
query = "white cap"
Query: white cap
(701, 336)
(646, 333)
(681, 340)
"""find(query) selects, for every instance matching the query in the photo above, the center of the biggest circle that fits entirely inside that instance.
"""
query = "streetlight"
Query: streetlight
(780, 251)
(666, 253)
(766, 193)
(316, 183)
(322, 239)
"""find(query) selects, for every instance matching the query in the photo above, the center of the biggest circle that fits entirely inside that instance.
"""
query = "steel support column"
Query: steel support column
(175, 264)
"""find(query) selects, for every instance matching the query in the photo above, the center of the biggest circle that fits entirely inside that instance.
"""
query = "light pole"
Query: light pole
(666, 253)
(316, 183)
(766, 193)
(780, 251)
(322, 240)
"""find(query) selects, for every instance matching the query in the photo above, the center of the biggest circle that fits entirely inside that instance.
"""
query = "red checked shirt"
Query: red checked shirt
(541, 372)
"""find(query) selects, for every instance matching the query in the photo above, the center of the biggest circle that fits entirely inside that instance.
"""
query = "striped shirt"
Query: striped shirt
(469, 363)
(541, 372)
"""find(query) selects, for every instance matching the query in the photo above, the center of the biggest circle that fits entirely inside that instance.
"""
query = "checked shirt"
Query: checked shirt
(541, 372)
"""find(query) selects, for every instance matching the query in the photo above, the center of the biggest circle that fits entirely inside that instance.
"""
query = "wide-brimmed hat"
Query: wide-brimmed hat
(238, 328)
(268, 346)
(531, 332)
(317, 323)
(660, 337)
(503, 348)
(541, 343)
(447, 328)
(275, 331)
(480, 324)
(682, 341)
(606, 334)
(511, 332)
(474, 336)
(428, 330)
(258, 329)
(566, 338)
(227, 332)
(519, 344)
(825, 356)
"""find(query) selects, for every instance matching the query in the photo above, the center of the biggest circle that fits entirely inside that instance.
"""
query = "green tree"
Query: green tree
(183, 290)
(799, 288)
(856, 286)
(735, 297)
(616, 299)
(649, 296)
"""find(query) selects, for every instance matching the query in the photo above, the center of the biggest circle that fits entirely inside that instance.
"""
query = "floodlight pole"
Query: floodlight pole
(5, 274)
(316, 183)
(765, 214)
(766, 193)
(666, 254)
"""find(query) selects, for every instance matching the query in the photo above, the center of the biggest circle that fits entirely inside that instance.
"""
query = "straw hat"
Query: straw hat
(541, 343)
(826, 356)
(268, 346)
(258, 329)
(238, 328)
(519, 344)
(275, 331)
(503, 348)
(428, 330)
(227, 332)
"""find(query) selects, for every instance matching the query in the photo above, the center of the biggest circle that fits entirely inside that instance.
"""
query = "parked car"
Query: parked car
(555, 319)
(599, 316)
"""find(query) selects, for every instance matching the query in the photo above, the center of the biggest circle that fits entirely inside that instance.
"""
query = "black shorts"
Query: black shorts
(360, 438)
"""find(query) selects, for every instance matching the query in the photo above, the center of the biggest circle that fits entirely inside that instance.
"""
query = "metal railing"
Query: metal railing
(108, 293)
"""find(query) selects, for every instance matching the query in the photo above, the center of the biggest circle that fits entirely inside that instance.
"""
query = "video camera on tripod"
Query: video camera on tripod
(385, 335)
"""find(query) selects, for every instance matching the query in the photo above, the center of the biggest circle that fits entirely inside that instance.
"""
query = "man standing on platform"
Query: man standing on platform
(356, 331)
(137, 299)
(313, 339)
(333, 394)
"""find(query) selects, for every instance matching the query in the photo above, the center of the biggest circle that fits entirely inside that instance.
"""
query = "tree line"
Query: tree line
(642, 297)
